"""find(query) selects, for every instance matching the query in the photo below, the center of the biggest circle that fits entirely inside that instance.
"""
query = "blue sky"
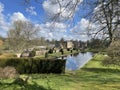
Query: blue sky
(11, 6)
(37, 13)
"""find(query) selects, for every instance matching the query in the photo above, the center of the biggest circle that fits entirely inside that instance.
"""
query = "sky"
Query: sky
(40, 13)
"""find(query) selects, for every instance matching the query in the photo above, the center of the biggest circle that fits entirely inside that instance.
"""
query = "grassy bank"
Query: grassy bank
(93, 76)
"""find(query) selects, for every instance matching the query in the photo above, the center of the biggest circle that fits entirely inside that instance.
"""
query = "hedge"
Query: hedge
(34, 65)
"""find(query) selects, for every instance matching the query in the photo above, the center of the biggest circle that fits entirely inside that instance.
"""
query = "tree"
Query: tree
(107, 16)
(20, 36)
(96, 43)
(29, 33)
(16, 39)
(62, 43)
(39, 41)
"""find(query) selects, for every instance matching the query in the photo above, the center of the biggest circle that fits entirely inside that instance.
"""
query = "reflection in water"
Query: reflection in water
(77, 61)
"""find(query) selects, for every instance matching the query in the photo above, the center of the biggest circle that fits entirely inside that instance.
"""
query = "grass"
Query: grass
(7, 55)
(93, 76)
(53, 55)
(57, 54)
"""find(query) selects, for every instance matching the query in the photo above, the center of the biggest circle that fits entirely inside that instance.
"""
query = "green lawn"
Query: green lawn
(93, 76)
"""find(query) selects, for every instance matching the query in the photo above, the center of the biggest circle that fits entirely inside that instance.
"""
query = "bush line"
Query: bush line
(34, 65)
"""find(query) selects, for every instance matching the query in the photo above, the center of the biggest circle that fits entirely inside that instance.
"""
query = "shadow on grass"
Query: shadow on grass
(24, 86)
(98, 76)
(99, 70)
(35, 86)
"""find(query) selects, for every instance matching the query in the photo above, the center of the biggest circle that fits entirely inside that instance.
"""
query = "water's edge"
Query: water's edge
(75, 62)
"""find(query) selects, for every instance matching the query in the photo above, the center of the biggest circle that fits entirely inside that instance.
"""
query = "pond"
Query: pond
(77, 61)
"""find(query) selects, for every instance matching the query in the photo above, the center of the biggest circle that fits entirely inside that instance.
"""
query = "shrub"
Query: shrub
(68, 49)
(62, 51)
(113, 52)
(50, 51)
(107, 61)
(8, 72)
(46, 54)
(19, 81)
(114, 49)
(32, 53)
(74, 48)
(35, 65)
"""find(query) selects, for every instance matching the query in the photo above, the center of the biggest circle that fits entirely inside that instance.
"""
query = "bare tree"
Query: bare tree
(29, 33)
(16, 39)
(20, 36)
(107, 16)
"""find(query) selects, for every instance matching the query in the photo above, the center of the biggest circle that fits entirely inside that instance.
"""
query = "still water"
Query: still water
(75, 62)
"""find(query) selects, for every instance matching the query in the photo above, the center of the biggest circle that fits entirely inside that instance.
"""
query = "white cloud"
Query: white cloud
(3, 24)
(51, 30)
(1, 7)
(55, 26)
(31, 10)
(55, 30)
(18, 16)
(81, 29)
(83, 26)
(63, 11)
(59, 30)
